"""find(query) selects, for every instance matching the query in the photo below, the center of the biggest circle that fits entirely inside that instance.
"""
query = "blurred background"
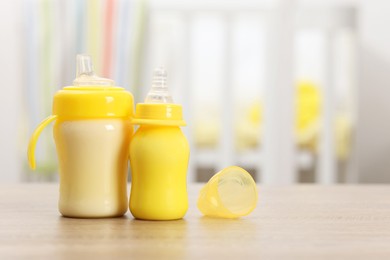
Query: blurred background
(293, 91)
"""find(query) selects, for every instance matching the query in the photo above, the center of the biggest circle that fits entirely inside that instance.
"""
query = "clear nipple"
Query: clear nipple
(85, 75)
(159, 91)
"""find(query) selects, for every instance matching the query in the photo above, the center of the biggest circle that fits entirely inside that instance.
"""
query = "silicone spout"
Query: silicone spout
(159, 92)
(85, 75)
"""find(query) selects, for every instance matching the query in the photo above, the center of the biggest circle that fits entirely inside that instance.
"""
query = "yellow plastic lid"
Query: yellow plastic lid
(159, 108)
(230, 193)
(158, 114)
(93, 102)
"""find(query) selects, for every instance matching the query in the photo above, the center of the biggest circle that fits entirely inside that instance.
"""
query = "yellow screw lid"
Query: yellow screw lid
(92, 96)
(93, 102)
(159, 108)
(158, 114)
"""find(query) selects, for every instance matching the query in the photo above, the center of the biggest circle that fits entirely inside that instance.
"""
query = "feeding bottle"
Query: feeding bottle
(159, 154)
(92, 133)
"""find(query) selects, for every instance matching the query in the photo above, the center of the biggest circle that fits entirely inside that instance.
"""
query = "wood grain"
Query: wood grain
(293, 222)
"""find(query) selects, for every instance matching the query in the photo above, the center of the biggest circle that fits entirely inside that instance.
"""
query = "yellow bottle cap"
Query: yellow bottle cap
(158, 114)
(231, 193)
(159, 108)
(93, 102)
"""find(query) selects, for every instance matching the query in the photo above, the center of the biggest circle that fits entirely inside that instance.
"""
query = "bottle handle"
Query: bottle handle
(34, 139)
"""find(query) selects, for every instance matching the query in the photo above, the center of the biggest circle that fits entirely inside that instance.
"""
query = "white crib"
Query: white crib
(277, 158)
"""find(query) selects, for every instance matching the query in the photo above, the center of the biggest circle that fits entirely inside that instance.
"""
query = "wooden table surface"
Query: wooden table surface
(292, 222)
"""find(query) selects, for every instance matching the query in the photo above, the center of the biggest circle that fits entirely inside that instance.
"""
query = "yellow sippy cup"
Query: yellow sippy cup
(92, 133)
(159, 154)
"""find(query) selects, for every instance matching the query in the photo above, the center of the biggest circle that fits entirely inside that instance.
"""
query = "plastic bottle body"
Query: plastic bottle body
(93, 159)
(159, 159)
